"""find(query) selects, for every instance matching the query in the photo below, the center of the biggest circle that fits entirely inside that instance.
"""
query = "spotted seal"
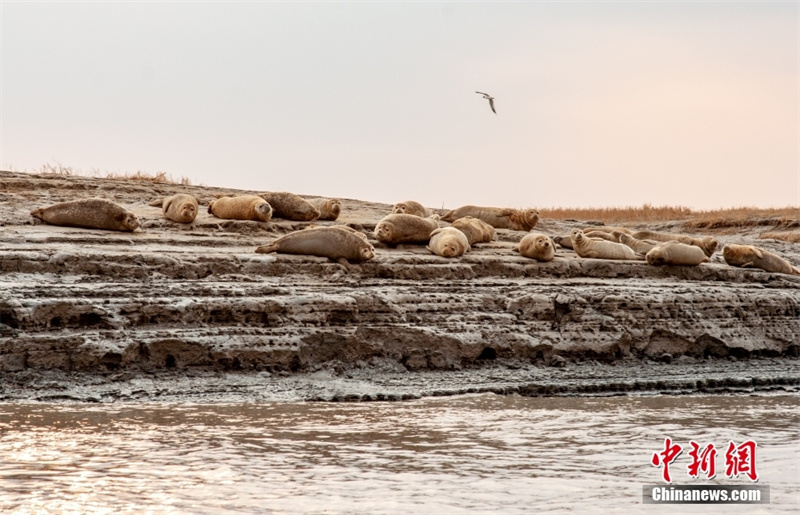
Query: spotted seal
(91, 213)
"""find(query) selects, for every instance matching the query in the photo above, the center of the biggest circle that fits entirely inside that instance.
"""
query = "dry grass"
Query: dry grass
(787, 217)
(68, 171)
(645, 213)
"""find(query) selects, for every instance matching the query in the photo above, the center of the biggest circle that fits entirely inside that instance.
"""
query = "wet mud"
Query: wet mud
(92, 312)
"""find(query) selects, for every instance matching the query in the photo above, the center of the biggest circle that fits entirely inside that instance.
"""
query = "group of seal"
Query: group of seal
(412, 223)
(282, 204)
(669, 249)
(599, 248)
(99, 213)
(497, 217)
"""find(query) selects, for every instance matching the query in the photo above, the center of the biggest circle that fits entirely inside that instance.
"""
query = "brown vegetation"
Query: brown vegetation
(68, 171)
(786, 217)
(644, 213)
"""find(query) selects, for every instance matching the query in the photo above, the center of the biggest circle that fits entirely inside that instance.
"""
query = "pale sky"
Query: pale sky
(599, 104)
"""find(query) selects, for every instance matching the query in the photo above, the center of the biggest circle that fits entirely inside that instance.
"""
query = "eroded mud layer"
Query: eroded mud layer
(388, 382)
(177, 299)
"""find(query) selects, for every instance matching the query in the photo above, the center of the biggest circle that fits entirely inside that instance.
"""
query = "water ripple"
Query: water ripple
(472, 454)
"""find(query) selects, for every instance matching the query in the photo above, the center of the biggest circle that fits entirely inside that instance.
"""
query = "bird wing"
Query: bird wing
(482, 93)
(491, 104)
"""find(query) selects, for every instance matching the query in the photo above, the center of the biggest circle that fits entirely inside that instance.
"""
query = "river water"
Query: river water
(466, 454)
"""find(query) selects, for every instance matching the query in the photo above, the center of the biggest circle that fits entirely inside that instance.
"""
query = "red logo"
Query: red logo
(703, 460)
(739, 459)
(665, 457)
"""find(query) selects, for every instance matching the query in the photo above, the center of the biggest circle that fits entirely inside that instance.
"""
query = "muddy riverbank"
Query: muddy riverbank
(90, 309)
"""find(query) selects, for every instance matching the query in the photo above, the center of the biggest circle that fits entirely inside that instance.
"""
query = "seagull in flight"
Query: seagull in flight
(488, 97)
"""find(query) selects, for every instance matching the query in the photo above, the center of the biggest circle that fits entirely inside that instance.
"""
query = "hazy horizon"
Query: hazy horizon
(599, 104)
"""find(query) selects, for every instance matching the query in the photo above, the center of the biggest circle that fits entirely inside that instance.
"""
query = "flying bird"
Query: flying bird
(490, 98)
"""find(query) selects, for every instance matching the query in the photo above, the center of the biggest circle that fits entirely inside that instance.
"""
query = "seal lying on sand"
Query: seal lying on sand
(476, 230)
(586, 247)
(497, 217)
(756, 257)
(245, 207)
(639, 246)
(181, 208)
(563, 241)
(709, 245)
(448, 242)
(290, 206)
(410, 207)
(676, 253)
(91, 213)
(537, 246)
(602, 235)
(338, 243)
(606, 228)
(395, 229)
(329, 208)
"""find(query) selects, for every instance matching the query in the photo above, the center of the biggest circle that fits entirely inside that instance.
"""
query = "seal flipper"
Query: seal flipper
(267, 249)
(344, 263)
(157, 203)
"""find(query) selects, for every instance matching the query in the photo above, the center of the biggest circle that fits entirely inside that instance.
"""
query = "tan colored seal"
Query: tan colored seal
(756, 257)
(181, 208)
(341, 228)
(448, 242)
(566, 241)
(338, 243)
(497, 217)
(290, 206)
(537, 246)
(475, 229)
(245, 207)
(639, 246)
(410, 207)
(395, 229)
(676, 253)
(602, 235)
(606, 228)
(91, 213)
(709, 245)
(329, 208)
(563, 241)
(586, 247)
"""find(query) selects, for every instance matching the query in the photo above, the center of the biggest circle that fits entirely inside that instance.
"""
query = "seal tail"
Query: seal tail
(209, 207)
(267, 249)
(37, 213)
